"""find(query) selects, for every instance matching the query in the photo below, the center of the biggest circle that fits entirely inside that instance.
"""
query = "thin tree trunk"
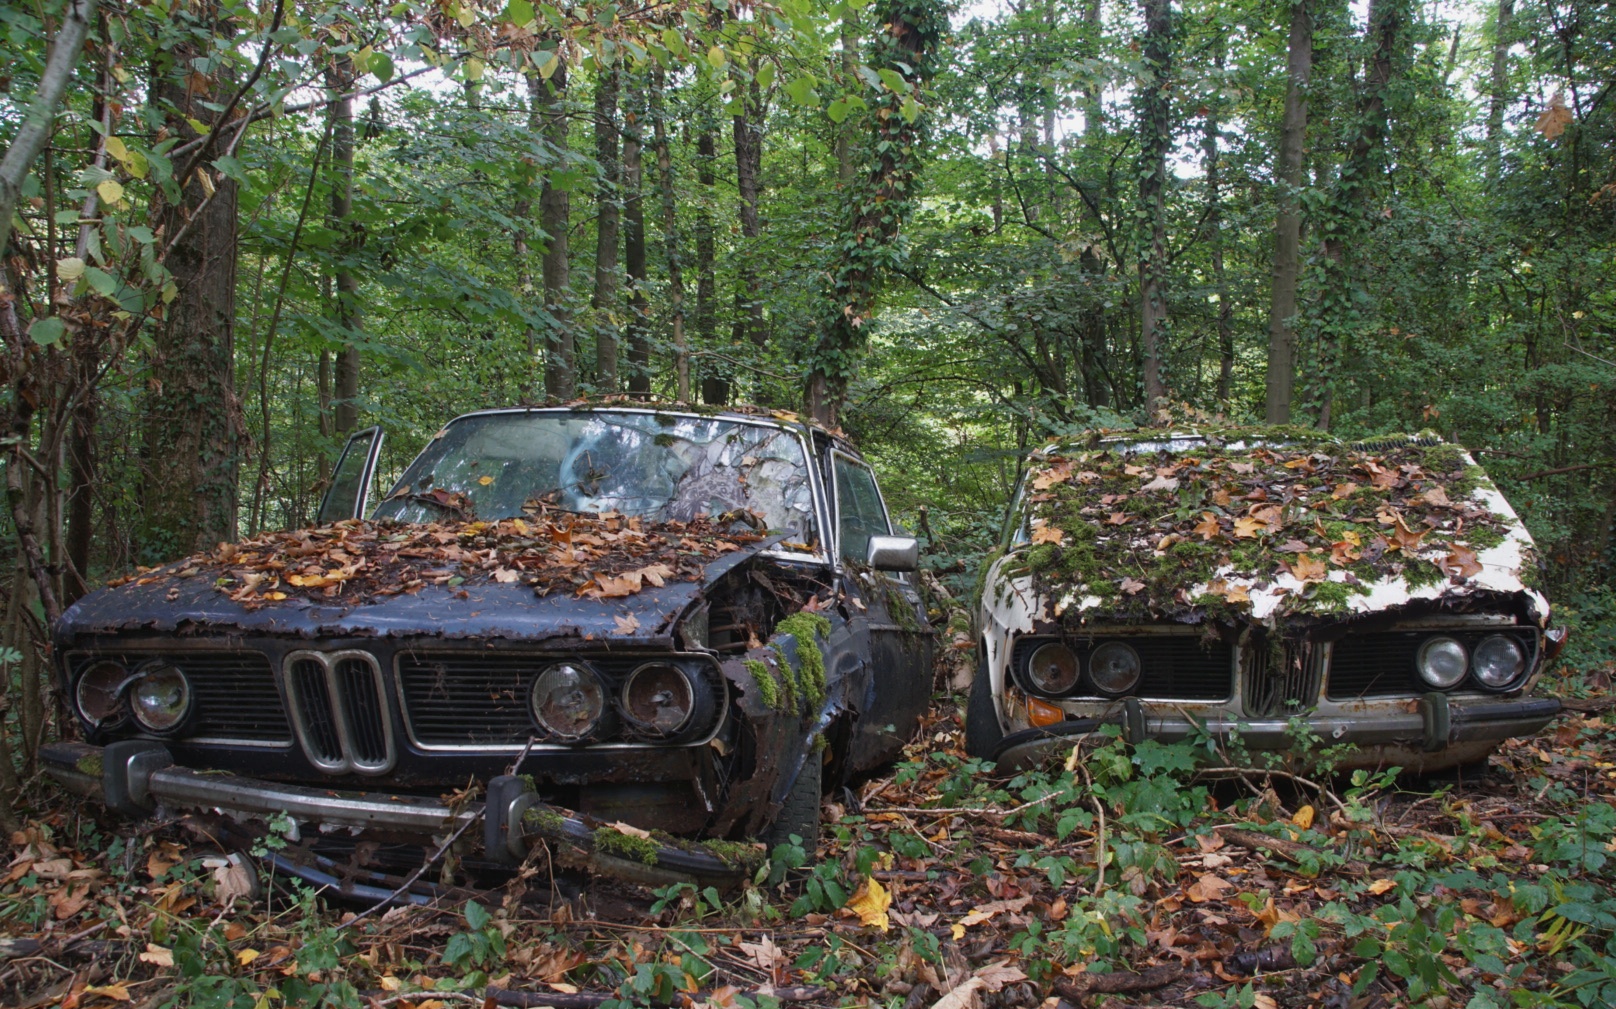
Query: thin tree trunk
(670, 237)
(1214, 231)
(748, 132)
(1155, 141)
(340, 80)
(845, 170)
(1498, 87)
(714, 386)
(560, 364)
(604, 301)
(521, 240)
(639, 326)
(1281, 382)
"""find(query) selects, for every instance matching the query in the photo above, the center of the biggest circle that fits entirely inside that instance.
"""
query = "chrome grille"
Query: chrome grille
(1283, 680)
(340, 711)
(235, 694)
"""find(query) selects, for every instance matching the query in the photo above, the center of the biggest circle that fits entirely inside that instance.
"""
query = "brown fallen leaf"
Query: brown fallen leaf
(1461, 561)
(1308, 568)
(1043, 532)
(1208, 528)
(1210, 886)
(626, 625)
(1132, 586)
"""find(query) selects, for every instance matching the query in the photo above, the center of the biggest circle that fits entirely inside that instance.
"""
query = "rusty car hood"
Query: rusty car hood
(195, 607)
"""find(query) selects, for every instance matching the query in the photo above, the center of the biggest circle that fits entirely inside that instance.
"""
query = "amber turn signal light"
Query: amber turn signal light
(1042, 713)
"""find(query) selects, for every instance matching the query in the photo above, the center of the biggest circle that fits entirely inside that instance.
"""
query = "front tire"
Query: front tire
(982, 732)
(799, 814)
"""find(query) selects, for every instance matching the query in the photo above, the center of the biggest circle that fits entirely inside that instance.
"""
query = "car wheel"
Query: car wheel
(982, 732)
(799, 814)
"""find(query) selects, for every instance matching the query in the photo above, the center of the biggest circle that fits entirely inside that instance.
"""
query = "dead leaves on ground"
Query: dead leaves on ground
(608, 556)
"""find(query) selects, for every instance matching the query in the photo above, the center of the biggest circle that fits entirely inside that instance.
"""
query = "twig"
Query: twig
(1243, 772)
(409, 880)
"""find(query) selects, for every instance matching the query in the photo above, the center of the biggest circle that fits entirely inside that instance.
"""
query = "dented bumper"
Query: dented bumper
(1438, 733)
(136, 777)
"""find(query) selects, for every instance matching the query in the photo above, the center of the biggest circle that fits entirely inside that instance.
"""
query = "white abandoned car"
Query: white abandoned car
(1234, 582)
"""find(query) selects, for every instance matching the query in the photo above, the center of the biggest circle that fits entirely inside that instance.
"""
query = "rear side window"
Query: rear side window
(859, 512)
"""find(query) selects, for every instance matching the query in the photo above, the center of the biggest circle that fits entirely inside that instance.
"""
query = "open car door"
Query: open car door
(350, 481)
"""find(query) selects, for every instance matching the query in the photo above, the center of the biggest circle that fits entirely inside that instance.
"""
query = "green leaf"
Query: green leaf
(911, 109)
(381, 65)
(477, 916)
(519, 13)
(674, 42)
(547, 63)
(765, 75)
(100, 281)
(838, 109)
(894, 80)
(717, 56)
(47, 331)
(475, 68)
(802, 91)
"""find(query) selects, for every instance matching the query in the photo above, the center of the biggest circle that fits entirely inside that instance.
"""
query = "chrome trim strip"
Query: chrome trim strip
(540, 660)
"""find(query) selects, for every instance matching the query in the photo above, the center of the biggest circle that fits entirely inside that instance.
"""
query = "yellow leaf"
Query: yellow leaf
(69, 269)
(1304, 817)
(246, 956)
(118, 992)
(485, 480)
(1380, 886)
(870, 903)
(111, 191)
(116, 148)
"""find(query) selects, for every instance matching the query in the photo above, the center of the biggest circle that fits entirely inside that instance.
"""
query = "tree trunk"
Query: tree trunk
(1499, 95)
(1288, 232)
(845, 169)
(1214, 232)
(1156, 139)
(670, 237)
(748, 169)
(639, 326)
(714, 386)
(190, 456)
(560, 364)
(879, 203)
(604, 301)
(521, 241)
(340, 79)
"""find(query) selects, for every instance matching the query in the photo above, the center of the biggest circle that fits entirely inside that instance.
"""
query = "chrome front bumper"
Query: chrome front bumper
(1439, 734)
(135, 778)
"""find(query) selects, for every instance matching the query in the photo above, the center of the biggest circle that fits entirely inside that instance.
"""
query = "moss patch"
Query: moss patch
(545, 821)
(611, 841)
(89, 764)
(1133, 528)
(768, 687)
(806, 629)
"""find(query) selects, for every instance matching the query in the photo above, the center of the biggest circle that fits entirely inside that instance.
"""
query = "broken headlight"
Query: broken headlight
(1115, 668)
(662, 701)
(568, 701)
(161, 697)
(99, 693)
(1052, 668)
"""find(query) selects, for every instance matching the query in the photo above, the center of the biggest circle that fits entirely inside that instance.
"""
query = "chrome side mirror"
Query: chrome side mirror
(893, 553)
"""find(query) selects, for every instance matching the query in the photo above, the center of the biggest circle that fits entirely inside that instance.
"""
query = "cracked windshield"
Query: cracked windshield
(655, 466)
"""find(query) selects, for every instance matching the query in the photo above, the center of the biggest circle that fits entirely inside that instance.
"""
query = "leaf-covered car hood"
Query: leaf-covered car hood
(594, 578)
(1251, 525)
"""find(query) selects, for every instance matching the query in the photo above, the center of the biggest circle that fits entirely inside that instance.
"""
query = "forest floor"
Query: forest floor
(936, 887)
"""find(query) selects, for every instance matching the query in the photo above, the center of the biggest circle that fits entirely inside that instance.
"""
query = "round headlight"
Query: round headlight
(567, 701)
(99, 693)
(658, 699)
(1442, 662)
(1498, 661)
(1052, 669)
(161, 697)
(1115, 668)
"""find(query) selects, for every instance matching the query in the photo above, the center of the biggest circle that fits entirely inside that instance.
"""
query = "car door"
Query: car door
(888, 604)
(351, 478)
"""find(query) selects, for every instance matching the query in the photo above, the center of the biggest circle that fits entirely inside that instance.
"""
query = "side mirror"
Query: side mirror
(893, 553)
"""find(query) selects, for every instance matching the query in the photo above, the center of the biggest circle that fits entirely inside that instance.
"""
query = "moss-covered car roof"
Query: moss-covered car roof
(1261, 523)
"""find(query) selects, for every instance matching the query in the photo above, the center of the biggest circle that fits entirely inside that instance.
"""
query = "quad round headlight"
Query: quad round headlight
(161, 697)
(659, 699)
(99, 693)
(1499, 661)
(1052, 668)
(1115, 668)
(567, 701)
(1442, 662)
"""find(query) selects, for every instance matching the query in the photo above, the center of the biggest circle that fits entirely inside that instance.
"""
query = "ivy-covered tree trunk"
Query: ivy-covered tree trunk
(748, 125)
(1155, 141)
(555, 211)
(1498, 86)
(670, 235)
(190, 457)
(903, 43)
(604, 300)
(1281, 379)
(1211, 143)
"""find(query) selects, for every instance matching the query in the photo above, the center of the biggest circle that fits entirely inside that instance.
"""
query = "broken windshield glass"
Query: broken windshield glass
(657, 466)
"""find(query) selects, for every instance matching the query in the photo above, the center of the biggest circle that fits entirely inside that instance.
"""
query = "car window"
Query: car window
(860, 514)
(346, 497)
(656, 466)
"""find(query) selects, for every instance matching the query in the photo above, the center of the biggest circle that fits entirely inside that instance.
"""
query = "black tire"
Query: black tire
(800, 813)
(982, 732)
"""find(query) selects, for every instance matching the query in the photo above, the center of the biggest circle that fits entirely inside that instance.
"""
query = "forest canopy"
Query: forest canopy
(235, 232)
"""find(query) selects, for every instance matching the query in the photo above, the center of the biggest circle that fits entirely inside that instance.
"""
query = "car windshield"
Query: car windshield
(653, 465)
